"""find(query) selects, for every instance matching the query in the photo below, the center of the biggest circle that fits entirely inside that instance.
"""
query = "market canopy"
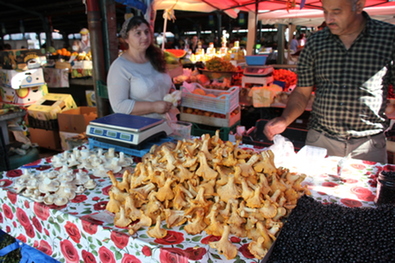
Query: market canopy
(314, 17)
(233, 7)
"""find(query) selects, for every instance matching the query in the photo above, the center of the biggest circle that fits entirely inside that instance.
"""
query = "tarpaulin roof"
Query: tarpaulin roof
(233, 7)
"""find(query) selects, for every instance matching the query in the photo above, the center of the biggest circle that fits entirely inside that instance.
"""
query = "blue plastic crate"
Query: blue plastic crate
(130, 151)
(256, 60)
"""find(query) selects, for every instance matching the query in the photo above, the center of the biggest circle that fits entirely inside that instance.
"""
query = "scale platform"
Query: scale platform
(258, 71)
(128, 131)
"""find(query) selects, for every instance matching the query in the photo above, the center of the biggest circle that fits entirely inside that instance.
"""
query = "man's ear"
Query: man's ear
(360, 5)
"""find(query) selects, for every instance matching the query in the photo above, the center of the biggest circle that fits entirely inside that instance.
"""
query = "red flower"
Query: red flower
(8, 229)
(26, 203)
(69, 251)
(245, 251)
(22, 217)
(362, 193)
(41, 211)
(73, 231)
(5, 182)
(235, 240)
(22, 238)
(14, 173)
(209, 239)
(46, 232)
(120, 239)
(37, 224)
(36, 162)
(195, 253)
(14, 224)
(11, 196)
(79, 199)
(171, 238)
(29, 231)
(88, 257)
(45, 247)
(89, 219)
(369, 162)
(106, 255)
(106, 189)
(358, 166)
(329, 184)
(53, 206)
(100, 205)
(89, 227)
(172, 254)
(1, 218)
(43, 167)
(350, 181)
(350, 202)
(7, 211)
(96, 198)
(127, 258)
(146, 251)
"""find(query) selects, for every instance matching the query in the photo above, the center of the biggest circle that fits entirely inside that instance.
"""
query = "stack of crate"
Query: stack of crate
(215, 110)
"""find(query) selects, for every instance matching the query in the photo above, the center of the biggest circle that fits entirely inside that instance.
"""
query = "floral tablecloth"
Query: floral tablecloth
(83, 231)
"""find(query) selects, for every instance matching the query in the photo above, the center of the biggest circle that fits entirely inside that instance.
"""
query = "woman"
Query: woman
(137, 80)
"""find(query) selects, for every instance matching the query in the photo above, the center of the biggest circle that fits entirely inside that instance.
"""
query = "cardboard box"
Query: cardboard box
(24, 96)
(76, 120)
(70, 140)
(48, 107)
(56, 78)
(17, 79)
(45, 138)
(22, 58)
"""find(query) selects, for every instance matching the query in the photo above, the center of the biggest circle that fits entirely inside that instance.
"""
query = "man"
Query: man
(350, 63)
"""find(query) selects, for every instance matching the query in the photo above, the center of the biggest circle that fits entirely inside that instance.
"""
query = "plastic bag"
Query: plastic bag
(284, 151)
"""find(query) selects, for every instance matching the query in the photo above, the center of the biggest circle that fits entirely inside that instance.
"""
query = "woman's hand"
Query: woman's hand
(162, 106)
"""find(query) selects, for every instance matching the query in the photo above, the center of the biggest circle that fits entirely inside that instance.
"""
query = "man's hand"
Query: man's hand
(274, 126)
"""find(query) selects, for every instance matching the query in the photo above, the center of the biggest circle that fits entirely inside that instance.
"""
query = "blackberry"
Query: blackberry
(332, 233)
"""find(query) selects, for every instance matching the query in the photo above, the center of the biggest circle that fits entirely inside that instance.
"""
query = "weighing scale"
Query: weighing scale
(127, 131)
(257, 75)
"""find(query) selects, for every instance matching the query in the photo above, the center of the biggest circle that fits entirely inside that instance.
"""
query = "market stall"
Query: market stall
(82, 229)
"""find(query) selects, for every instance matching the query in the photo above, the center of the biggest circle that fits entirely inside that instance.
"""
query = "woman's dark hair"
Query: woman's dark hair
(154, 54)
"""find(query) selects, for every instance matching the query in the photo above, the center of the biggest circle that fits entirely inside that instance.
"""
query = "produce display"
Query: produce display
(60, 185)
(285, 75)
(210, 185)
(316, 232)
(220, 65)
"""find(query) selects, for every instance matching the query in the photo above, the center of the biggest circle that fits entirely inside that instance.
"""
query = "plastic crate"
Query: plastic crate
(228, 121)
(227, 101)
(256, 60)
(51, 125)
(200, 129)
(130, 151)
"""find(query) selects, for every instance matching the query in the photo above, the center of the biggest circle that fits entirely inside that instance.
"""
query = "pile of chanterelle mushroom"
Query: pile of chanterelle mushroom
(209, 185)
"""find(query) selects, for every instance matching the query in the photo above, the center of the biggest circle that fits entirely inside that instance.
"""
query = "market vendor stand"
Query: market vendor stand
(82, 230)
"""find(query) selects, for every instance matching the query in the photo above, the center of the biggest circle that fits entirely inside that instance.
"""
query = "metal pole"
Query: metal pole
(97, 49)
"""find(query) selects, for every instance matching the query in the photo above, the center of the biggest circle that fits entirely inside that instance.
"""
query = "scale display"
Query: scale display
(127, 129)
(126, 122)
(111, 134)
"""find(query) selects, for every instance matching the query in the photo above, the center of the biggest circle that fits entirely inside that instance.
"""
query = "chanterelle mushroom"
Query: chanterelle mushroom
(224, 246)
